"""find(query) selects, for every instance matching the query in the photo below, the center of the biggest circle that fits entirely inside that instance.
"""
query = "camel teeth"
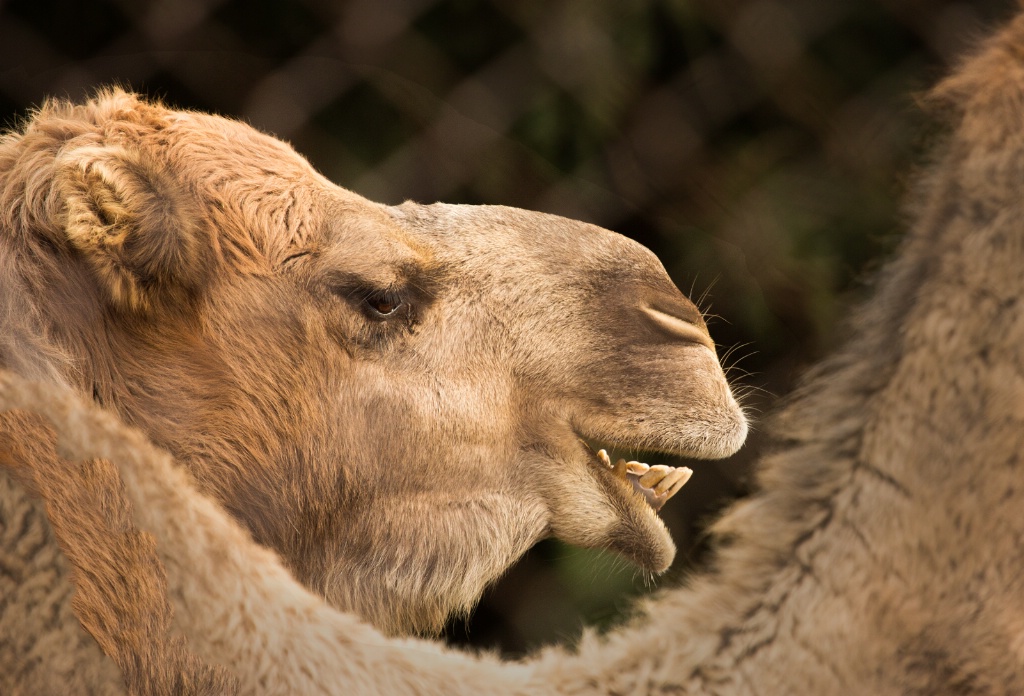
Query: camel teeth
(637, 468)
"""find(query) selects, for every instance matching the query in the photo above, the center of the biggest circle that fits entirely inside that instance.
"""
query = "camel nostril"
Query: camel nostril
(679, 328)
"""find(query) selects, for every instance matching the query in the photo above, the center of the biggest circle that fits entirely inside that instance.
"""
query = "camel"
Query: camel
(397, 400)
(880, 555)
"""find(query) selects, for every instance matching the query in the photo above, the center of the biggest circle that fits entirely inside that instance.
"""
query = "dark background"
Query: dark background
(760, 147)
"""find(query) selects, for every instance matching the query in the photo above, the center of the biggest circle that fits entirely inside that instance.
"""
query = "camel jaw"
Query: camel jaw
(595, 506)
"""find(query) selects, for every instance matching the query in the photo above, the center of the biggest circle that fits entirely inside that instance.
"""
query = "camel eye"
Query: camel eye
(383, 304)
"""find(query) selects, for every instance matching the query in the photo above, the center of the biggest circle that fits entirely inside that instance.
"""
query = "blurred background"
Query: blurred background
(760, 147)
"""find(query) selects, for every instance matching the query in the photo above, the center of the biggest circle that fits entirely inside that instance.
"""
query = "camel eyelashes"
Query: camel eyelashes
(374, 302)
(383, 304)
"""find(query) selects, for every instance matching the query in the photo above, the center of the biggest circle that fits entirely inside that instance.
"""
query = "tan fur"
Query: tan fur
(881, 556)
(199, 280)
(120, 585)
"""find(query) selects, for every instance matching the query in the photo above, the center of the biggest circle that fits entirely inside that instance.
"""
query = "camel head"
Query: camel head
(398, 400)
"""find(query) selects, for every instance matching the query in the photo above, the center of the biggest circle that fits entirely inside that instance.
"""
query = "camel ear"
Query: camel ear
(135, 224)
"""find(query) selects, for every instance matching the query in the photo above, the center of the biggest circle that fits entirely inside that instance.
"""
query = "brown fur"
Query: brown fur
(881, 556)
(198, 279)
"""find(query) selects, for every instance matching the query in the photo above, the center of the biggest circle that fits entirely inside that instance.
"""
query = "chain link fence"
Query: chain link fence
(758, 146)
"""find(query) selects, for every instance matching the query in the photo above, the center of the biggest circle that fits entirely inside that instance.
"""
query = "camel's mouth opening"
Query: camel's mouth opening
(656, 483)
